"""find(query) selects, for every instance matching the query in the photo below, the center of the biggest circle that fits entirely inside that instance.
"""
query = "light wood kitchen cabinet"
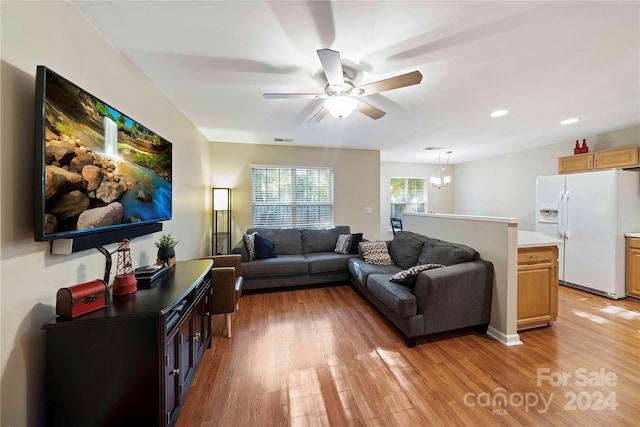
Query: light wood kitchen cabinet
(577, 163)
(626, 157)
(633, 267)
(537, 285)
(621, 158)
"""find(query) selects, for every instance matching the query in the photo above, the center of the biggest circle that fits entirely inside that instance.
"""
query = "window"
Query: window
(408, 195)
(292, 197)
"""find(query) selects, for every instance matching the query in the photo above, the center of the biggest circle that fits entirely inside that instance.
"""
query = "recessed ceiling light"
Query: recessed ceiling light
(569, 121)
(499, 113)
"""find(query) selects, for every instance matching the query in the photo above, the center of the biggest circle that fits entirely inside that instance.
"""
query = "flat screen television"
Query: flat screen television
(97, 169)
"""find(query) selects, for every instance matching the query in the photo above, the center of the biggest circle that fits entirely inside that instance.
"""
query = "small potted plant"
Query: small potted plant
(166, 245)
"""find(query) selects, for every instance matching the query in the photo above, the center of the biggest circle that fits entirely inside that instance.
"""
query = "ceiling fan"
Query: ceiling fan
(341, 95)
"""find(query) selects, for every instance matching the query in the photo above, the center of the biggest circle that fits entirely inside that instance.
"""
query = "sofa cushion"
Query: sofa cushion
(376, 252)
(408, 277)
(343, 244)
(395, 297)
(405, 248)
(437, 251)
(263, 248)
(286, 241)
(361, 270)
(283, 265)
(322, 240)
(323, 262)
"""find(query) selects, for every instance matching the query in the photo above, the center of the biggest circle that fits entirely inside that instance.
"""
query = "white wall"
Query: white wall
(356, 178)
(57, 35)
(438, 200)
(506, 185)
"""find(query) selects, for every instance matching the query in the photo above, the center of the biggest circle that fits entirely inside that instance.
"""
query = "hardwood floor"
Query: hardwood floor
(326, 357)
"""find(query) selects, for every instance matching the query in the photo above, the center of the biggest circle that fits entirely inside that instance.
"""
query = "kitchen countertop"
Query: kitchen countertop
(637, 234)
(532, 239)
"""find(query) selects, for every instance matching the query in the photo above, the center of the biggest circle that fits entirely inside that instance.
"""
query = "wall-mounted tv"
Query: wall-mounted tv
(97, 169)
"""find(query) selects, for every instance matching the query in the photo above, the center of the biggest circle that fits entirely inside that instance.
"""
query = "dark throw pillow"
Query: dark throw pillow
(356, 238)
(264, 248)
(408, 277)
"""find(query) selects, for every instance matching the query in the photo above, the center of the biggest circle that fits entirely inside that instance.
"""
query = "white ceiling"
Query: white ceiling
(543, 61)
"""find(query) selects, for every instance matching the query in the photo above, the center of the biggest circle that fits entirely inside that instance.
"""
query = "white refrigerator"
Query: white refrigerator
(590, 212)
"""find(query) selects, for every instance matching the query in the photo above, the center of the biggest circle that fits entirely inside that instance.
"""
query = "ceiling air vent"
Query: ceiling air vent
(282, 139)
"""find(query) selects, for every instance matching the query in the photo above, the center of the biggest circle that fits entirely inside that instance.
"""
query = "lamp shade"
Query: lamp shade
(220, 199)
(340, 106)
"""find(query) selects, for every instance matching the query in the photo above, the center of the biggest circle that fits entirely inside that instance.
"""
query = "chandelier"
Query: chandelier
(440, 181)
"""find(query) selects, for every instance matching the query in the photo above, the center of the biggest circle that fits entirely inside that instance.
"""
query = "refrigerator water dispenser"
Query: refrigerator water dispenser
(548, 212)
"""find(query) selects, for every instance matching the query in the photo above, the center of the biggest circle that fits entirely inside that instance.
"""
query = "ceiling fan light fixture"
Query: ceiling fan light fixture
(340, 106)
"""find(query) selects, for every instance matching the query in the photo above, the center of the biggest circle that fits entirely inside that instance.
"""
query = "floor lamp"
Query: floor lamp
(221, 202)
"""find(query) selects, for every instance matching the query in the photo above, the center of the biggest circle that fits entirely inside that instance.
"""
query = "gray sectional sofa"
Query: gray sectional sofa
(304, 257)
(453, 292)
(453, 296)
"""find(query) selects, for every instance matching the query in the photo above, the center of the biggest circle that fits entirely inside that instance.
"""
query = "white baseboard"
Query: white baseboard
(508, 340)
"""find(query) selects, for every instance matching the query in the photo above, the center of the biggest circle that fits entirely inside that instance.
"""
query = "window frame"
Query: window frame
(406, 203)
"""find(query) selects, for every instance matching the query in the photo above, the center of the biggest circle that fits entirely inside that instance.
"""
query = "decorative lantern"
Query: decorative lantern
(125, 281)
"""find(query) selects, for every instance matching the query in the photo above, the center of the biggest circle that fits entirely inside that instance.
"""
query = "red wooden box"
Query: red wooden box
(80, 299)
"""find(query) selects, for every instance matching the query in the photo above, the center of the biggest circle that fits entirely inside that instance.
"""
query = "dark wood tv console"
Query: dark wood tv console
(131, 363)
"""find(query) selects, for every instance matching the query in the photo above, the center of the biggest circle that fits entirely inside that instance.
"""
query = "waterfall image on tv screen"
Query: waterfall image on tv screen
(101, 169)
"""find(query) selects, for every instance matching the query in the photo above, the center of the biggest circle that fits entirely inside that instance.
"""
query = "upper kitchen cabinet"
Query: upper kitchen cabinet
(576, 163)
(623, 158)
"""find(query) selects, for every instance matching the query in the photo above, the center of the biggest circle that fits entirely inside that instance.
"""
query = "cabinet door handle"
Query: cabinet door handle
(207, 313)
(175, 371)
(535, 256)
(196, 337)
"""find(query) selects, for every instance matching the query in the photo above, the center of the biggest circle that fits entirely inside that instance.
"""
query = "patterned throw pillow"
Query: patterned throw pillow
(250, 243)
(376, 252)
(343, 244)
(408, 277)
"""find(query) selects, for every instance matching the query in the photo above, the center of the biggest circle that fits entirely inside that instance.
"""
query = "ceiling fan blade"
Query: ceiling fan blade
(318, 115)
(292, 95)
(369, 110)
(409, 79)
(332, 66)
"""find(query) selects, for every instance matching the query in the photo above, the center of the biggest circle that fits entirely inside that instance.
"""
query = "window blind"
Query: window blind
(292, 197)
